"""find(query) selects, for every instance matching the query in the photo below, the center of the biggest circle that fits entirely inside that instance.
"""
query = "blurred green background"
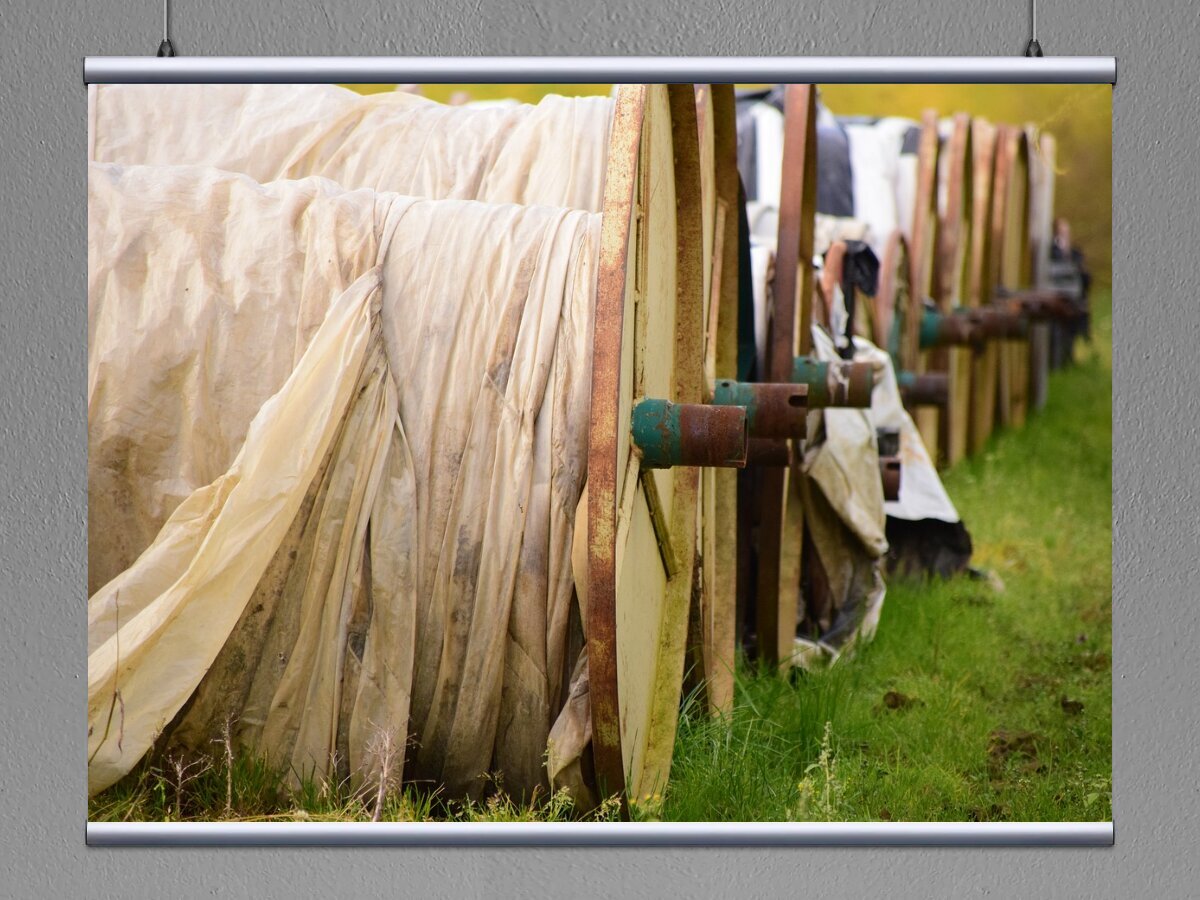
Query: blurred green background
(1079, 117)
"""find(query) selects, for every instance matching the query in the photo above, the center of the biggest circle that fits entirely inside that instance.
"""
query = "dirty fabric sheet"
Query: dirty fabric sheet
(845, 520)
(359, 422)
(552, 153)
(842, 495)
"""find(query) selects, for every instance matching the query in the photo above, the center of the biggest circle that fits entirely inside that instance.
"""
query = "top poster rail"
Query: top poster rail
(600, 69)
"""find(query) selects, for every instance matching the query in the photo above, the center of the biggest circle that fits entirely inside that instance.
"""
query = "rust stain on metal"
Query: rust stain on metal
(927, 389)
(780, 410)
(996, 322)
(958, 330)
(954, 223)
(850, 384)
(712, 435)
(769, 452)
(1038, 304)
(603, 465)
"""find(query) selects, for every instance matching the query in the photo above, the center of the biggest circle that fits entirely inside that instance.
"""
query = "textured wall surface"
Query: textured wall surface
(42, 431)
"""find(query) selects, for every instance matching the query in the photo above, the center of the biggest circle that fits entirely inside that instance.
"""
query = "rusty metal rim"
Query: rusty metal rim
(612, 298)
(954, 225)
(924, 224)
(603, 465)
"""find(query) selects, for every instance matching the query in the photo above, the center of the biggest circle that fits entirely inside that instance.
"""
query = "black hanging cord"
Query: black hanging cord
(1033, 48)
(166, 48)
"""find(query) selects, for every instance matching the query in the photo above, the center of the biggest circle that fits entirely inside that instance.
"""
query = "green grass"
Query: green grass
(984, 720)
(971, 704)
(251, 790)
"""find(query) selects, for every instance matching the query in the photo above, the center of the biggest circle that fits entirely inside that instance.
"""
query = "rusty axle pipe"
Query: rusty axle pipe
(835, 384)
(889, 476)
(924, 389)
(769, 453)
(1039, 305)
(997, 323)
(953, 330)
(689, 434)
(773, 410)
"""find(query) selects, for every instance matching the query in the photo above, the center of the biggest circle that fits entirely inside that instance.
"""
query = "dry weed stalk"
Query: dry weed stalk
(184, 773)
(383, 751)
(226, 741)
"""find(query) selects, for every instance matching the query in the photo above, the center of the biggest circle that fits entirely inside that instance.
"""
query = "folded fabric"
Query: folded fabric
(383, 405)
(553, 153)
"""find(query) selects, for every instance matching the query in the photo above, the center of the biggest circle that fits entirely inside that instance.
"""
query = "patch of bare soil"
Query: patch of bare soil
(1006, 746)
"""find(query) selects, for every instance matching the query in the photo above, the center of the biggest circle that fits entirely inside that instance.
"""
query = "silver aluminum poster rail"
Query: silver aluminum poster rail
(484, 70)
(579, 834)
(600, 69)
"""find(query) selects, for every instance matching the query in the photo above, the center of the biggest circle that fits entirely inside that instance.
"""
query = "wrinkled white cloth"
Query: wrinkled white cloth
(768, 149)
(922, 494)
(875, 170)
(553, 153)
(390, 397)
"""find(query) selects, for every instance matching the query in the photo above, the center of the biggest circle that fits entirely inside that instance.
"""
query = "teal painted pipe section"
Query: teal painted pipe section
(814, 374)
(656, 431)
(923, 389)
(727, 392)
(688, 434)
(931, 328)
(773, 410)
(837, 384)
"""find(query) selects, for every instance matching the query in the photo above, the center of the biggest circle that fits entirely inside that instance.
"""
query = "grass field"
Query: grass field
(971, 704)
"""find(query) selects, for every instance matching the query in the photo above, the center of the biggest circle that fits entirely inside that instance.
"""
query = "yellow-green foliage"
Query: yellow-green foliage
(526, 93)
(1079, 117)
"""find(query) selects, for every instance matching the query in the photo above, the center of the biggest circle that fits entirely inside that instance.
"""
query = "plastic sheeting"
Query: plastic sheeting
(846, 514)
(844, 518)
(553, 153)
(874, 165)
(387, 536)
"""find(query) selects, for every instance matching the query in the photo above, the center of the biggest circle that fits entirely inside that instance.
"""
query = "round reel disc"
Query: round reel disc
(951, 282)
(641, 524)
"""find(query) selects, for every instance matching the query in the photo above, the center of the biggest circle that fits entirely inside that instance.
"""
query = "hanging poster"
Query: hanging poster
(571, 458)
